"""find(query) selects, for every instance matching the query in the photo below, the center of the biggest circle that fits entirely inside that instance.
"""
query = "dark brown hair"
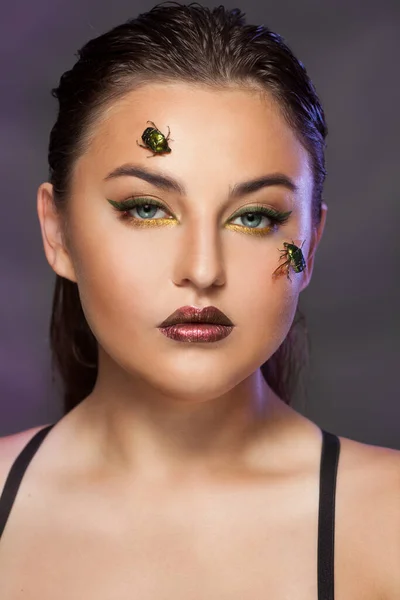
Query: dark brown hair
(170, 43)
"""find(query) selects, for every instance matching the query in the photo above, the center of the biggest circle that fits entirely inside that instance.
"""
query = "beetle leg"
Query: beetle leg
(141, 145)
(169, 133)
(154, 125)
(278, 271)
(288, 269)
(284, 255)
(168, 138)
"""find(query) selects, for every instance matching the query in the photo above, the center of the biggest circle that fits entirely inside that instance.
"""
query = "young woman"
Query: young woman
(182, 216)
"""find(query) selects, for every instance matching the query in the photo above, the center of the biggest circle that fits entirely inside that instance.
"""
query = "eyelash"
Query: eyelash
(276, 217)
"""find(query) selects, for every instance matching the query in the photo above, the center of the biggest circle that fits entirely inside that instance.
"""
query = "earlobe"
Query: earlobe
(55, 249)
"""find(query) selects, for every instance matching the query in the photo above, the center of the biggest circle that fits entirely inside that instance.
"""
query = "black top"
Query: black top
(326, 515)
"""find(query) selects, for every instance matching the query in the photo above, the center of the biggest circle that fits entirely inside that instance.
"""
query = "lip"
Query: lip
(196, 332)
(190, 314)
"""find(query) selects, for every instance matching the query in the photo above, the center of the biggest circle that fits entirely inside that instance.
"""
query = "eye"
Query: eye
(253, 216)
(145, 208)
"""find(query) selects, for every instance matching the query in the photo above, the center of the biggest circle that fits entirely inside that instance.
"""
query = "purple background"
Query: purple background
(351, 52)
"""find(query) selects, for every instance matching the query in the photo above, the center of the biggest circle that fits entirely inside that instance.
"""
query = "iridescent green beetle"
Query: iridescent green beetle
(293, 257)
(154, 140)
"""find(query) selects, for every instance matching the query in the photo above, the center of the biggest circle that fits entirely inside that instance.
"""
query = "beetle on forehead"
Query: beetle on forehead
(154, 140)
(294, 258)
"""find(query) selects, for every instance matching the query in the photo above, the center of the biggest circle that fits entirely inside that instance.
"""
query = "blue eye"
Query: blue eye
(254, 218)
(147, 209)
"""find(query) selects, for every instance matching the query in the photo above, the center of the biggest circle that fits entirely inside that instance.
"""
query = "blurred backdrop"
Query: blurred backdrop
(351, 52)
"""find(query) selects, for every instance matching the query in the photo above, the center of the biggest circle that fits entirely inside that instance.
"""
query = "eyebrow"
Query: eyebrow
(170, 184)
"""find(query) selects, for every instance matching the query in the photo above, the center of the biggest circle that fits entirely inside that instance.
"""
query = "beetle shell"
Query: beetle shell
(155, 140)
(296, 257)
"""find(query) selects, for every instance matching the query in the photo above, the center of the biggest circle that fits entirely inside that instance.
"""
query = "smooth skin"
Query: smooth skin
(183, 475)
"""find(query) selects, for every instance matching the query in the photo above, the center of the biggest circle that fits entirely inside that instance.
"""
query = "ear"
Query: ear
(316, 237)
(55, 248)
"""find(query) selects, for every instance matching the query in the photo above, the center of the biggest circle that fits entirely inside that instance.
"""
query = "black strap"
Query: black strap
(16, 474)
(326, 517)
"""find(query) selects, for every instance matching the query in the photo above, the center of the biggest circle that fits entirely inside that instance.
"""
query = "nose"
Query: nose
(199, 257)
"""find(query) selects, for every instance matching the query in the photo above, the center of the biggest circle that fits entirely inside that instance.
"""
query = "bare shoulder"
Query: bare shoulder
(366, 456)
(377, 466)
(10, 447)
(375, 507)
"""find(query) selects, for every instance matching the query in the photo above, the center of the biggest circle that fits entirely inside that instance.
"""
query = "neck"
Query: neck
(150, 434)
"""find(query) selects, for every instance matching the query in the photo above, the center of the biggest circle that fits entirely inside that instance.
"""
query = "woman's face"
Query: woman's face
(132, 275)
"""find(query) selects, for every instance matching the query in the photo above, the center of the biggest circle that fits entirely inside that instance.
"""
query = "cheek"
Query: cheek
(264, 304)
(118, 278)
(126, 287)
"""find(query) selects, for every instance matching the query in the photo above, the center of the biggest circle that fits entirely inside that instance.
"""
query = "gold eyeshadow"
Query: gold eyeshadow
(276, 217)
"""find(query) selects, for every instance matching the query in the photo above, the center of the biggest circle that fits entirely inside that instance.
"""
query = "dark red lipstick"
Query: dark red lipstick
(191, 324)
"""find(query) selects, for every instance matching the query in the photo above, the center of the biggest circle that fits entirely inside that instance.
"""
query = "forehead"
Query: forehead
(215, 134)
